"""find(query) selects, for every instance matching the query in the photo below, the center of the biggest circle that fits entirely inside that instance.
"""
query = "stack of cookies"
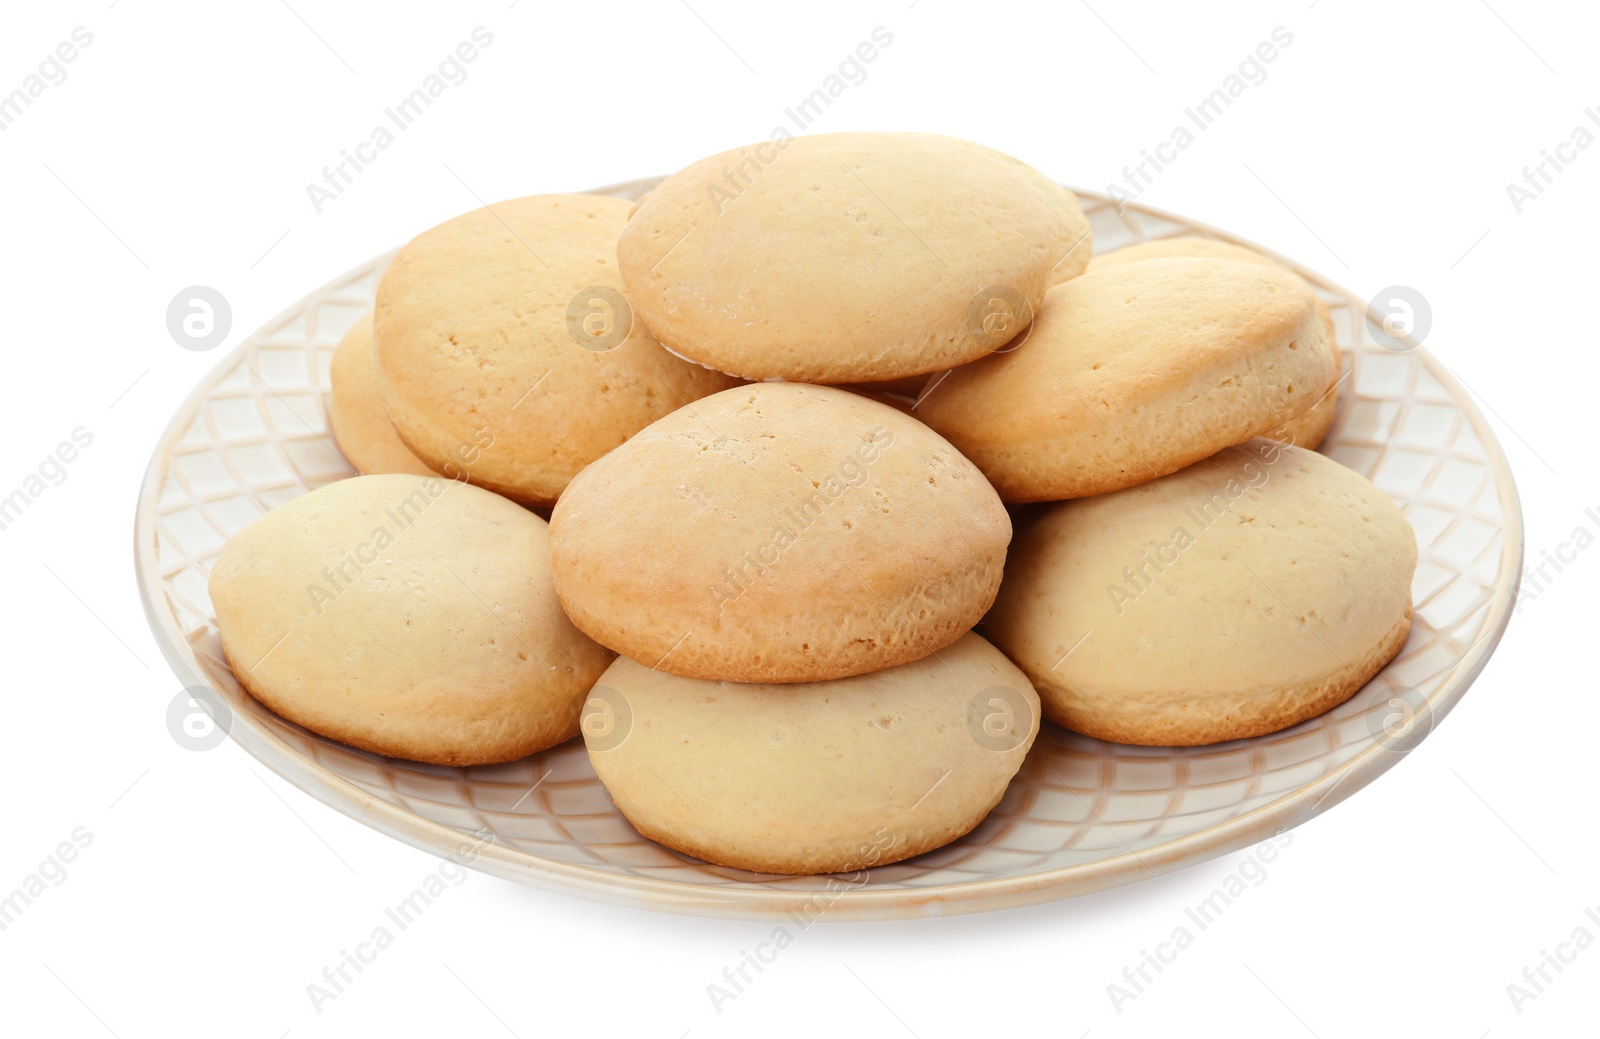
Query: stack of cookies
(777, 413)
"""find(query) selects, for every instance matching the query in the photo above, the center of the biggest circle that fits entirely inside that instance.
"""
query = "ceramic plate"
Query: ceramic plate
(1081, 816)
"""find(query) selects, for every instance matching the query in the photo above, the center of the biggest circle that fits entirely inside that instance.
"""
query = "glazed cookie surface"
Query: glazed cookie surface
(503, 335)
(1247, 593)
(356, 417)
(852, 257)
(405, 615)
(1133, 372)
(779, 532)
(824, 777)
(1308, 429)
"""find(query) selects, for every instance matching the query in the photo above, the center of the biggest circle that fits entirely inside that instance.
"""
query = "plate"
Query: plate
(1081, 815)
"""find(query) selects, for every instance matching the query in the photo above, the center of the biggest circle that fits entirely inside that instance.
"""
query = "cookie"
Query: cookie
(406, 615)
(1247, 593)
(1074, 242)
(779, 532)
(838, 258)
(824, 777)
(1307, 430)
(1310, 428)
(507, 352)
(1181, 247)
(356, 417)
(1133, 372)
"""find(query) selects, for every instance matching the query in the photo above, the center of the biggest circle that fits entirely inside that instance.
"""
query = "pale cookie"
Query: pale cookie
(406, 615)
(824, 777)
(1256, 589)
(779, 532)
(852, 257)
(356, 417)
(503, 336)
(1307, 430)
(1134, 372)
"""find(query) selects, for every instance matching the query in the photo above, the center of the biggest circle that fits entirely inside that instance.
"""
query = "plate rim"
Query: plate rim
(990, 895)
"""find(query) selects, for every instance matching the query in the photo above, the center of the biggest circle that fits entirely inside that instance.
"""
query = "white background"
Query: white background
(177, 152)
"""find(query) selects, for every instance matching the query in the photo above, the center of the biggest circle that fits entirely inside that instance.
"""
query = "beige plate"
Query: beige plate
(1081, 816)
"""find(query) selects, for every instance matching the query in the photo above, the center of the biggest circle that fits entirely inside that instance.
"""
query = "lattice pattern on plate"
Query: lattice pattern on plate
(1082, 814)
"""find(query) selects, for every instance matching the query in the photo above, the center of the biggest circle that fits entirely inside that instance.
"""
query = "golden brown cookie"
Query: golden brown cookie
(779, 532)
(406, 615)
(1307, 430)
(1074, 242)
(852, 257)
(1240, 596)
(1133, 372)
(503, 336)
(823, 777)
(356, 417)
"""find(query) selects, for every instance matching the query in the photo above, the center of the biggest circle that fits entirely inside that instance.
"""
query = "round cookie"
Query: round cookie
(1133, 372)
(824, 777)
(507, 351)
(836, 258)
(1306, 430)
(1074, 242)
(779, 532)
(1180, 247)
(356, 417)
(1247, 593)
(406, 615)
